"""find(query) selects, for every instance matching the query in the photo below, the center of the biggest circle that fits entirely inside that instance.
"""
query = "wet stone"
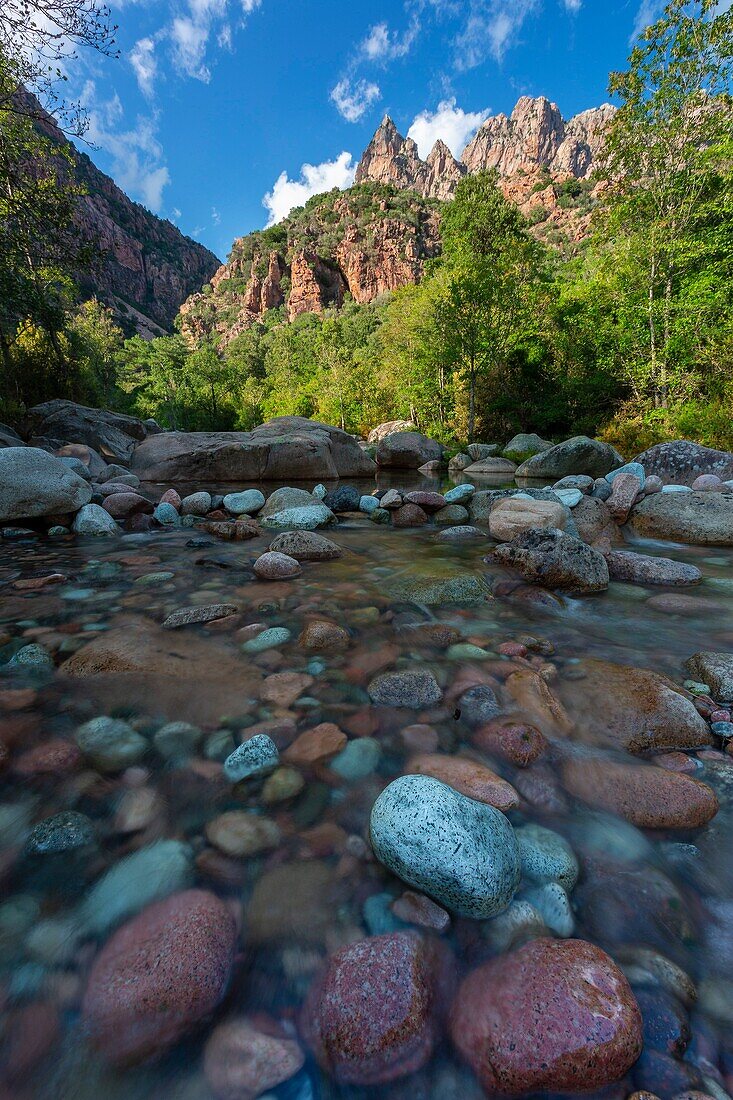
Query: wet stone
(254, 758)
(67, 831)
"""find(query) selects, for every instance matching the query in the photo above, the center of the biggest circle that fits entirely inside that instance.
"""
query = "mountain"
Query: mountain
(147, 267)
(363, 242)
(376, 236)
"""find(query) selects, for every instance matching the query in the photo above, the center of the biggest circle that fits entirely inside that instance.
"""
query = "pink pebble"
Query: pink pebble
(720, 716)
(512, 649)
(170, 496)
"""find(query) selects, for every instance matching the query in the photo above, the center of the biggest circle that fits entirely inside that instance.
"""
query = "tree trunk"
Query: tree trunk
(471, 401)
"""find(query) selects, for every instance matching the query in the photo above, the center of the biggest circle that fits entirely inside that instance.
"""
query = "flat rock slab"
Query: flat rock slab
(189, 616)
(623, 565)
(283, 449)
(697, 518)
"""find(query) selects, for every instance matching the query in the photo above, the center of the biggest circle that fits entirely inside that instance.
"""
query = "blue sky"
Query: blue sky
(219, 114)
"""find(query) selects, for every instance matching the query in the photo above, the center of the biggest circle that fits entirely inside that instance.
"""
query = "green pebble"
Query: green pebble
(464, 651)
(154, 578)
(268, 639)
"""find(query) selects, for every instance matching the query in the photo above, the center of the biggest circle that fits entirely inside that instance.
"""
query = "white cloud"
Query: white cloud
(354, 99)
(137, 157)
(248, 6)
(448, 123)
(649, 11)
(491, 29)
(175, 214)
(144, 64)
(190, 38)
(382, 45)
(314, 180)
(215, 216)
(573, 6)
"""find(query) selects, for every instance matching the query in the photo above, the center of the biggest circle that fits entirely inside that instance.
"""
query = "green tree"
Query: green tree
(96, 342)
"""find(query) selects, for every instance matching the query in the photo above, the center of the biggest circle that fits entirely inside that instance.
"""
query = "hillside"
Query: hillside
(146, 267)
(362, 242)
(376, 236)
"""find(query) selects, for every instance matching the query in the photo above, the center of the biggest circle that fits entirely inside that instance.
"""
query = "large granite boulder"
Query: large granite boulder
(33, 483)
(288, 447)
(113, 435)
(9, 437)
(700, 518)
(381, 431)
(554, 559)
(408, 450)
(579, 455)
(523, 446)
(680, 462)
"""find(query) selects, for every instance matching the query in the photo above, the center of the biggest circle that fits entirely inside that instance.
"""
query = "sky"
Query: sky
(221, 115)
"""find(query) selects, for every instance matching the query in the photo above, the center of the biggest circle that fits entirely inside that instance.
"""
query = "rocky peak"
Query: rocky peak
(391, 158)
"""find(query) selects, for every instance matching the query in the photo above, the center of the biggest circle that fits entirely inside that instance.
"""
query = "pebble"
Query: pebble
(243, 1060)
(91, 519)
(273, 566)
(368, 505)
(468, 777)
(320, 635)
(462, 853)
(546, 856)
(240, 834)
(459, 494)
(166, 515)
(414, 908)
(110, 743)
(553, 904)
(32, 658)
(273, 638)
(177, 740)
(358, 759)
(248, 502)
(306, 546)
(67, 831)
(414, 688)
(284, 783)
(253, 758)
(128, 886)
(478, 705)
(196, 504)
(315, 746)
(191, 616)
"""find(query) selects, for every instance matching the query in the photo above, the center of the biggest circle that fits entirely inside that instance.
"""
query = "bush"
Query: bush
(632, 430)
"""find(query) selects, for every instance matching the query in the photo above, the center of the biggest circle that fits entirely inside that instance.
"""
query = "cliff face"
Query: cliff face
(362, 242)
(147, 267)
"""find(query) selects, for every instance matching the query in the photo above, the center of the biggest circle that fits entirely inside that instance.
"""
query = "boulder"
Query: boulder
(288, 447)
(113, 435)
(554, 559)
(91, 519)
(647, 796)
(381, 431)
(491, 467)
(515, 515)
(462, 853)
(632, 709)
(579, 455)
(9, 437)
(700, 518)
(715, 670)
(623, 565)
(524, 446)
(306, 546)
(681, 462)
(625, 489)
(592, 519)
(549, 1017)
(374, 1014)
(158, 976)
(479, 451)
(33, 483)
(408, 450)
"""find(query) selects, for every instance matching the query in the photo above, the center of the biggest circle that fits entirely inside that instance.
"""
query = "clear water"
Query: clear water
(654, 889)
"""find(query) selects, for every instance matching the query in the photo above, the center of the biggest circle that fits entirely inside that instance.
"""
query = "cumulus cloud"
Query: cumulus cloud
(383, 45)
(449, 123)
(145, 65)
(137, 156)
(314, 180)
(353, 99)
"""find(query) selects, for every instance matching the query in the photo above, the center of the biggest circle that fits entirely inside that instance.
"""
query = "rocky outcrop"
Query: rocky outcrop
(680, 462)
(113, 435)
(535, 136)
(286, 448)
(147, 267)
(315, 285)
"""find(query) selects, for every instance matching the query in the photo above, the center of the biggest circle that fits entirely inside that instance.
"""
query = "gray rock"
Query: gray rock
(32, 657)
(702, 519)
(641, 569)
(462, 853)
(33, 483)
(150, 874)
(196, 504)
(459, 494)
(553, 904)
(492, 467)
(249, 502)
(414, 688)
(634, 468)
(459, 462)
(576, 481)
(579, 455)
(177, 740)
(714, 669)
(524, 446)
(389, 428)
(681, 461)
(166, 515)
(110, 743)
(479, 451)
(252, 759)
(306, 546)
(273, 638)
(76, 466)
(344, 499)
(67, 831)
(546, 856)
(9, 437)
(462, 588)
(481, 504)
(407, 450)
(306, 518)
(554, 559)
(288, 447)
(451, 515)
(478, 705)
(112, 435)
(189, 616)
(131, 480)
(592, 517)
(462, 533)
(272, 566)
(94, 520)
(602, 488)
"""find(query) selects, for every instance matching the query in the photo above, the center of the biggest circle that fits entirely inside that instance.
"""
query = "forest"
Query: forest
(628, 337)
